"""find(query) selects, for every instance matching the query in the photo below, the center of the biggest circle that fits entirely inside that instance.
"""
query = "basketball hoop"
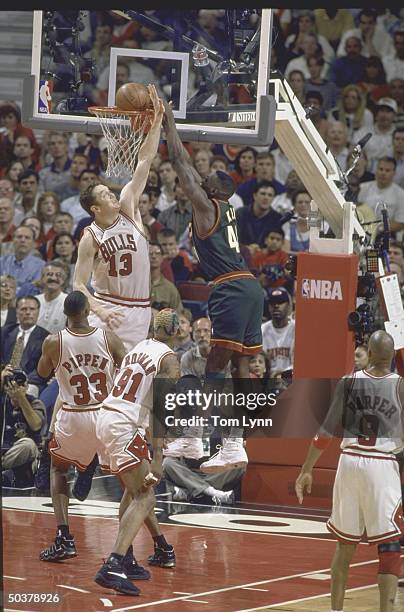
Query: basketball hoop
(124, 131)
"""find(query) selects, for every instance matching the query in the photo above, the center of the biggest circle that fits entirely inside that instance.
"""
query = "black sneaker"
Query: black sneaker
(63, 548)
(133, 570)
(112, 576)
(163, 557)
(82, 486)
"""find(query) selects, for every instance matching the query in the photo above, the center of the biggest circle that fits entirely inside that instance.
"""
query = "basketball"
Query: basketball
(133, 96)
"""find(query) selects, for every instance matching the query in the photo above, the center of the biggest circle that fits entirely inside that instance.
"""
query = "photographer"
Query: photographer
(24, 420)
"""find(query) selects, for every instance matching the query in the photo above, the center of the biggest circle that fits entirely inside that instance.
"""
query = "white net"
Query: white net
(124, 132)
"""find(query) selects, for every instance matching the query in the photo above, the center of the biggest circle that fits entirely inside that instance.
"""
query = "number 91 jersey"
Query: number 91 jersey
(86, 368)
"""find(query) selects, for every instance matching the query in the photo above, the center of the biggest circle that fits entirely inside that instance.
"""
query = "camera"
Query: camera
(18, 376)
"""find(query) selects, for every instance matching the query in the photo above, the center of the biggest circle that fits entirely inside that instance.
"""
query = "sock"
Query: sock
(211, 491)
(160, 541)
(117, 557)
(63, 530)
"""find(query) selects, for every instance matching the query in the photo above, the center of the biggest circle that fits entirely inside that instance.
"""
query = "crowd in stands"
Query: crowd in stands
(347, 64)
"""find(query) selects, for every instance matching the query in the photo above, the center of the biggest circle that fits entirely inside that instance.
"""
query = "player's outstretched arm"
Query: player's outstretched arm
(116, 347)
(132, 191)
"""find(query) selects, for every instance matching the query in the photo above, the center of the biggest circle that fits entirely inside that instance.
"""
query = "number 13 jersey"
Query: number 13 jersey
(121, 269)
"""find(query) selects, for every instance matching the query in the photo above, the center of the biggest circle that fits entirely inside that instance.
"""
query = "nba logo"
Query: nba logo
(306, 288)
(45, 97)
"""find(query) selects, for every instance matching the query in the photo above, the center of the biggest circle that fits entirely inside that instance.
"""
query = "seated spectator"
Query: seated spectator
(337, 142)
(258, 366)
(34, 223)
(310, 48)
(283, 203)
(314, 101)
(24, 152)
(13, 171)
(63, 222)
(374, 80)
(374, 39)
(351, 110)
(7, 226)
(264, 171)
(162, 290)
(316, 82)
(193, 362)
(48, 207)
(398, 154)
(24, 423)
(297, 83)
(181, 265)
(297, 231)
(10, 121)
(7, 190)
(380, 145)
(167, 176)
(65, 250)
(149, 222)
(332, 23)
(220, 163)
(244, 166)
(72, 205)
(202, 162)
(29, 189)
(394, 62)
(350, 68)
(383, 189)
(278, 334)
(178, 216)
(79, 163)
(396, 252)
(306, 25)
(269, 263)
(255, 221)
(183, 341)
(23, 265)
(56, 176)
(51, 313)
(396, 87)
(229, 151)
(8, 288)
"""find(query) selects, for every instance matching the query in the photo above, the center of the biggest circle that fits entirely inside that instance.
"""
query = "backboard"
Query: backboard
(213, 64)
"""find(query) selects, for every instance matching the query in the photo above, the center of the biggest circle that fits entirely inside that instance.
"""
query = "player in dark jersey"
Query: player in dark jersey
(236, 301)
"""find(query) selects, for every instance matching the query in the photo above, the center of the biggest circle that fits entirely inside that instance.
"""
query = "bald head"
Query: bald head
(381, 347)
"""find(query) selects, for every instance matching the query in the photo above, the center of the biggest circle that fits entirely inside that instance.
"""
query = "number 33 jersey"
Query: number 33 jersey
(86, 368)
(121, 270)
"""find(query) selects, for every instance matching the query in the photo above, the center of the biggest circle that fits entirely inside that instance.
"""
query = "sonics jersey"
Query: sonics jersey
(85, 371)
(121, 270)
(219, 252)
(373, 412)
(132, 393)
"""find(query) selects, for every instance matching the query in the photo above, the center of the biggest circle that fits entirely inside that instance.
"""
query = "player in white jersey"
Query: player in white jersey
(115, 249)
(278, 334)
(367, 488)
(84, 360)
(121, 427)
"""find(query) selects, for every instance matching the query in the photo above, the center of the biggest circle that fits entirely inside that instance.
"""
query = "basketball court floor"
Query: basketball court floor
(229, 559)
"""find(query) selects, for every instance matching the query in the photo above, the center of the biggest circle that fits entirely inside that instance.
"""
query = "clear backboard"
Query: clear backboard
(213, 64)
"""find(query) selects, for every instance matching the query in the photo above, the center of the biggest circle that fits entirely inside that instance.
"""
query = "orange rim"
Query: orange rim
(114, 111)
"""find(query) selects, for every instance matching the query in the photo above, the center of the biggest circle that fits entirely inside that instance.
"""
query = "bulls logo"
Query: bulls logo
(137, 447)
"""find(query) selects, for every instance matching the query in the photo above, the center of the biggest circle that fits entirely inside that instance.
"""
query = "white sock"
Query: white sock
(211, 491)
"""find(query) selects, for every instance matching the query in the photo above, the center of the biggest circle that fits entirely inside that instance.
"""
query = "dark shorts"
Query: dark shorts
(236, 309)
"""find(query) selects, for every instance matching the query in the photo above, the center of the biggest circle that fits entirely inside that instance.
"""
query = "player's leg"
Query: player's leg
(389, 571)
(339, 573)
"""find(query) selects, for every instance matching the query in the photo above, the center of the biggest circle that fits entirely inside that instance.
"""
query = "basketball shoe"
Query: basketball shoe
(190, 448)
(230, 456)
(163, 557)
(63, 548)
(111, 575)
(132, 569)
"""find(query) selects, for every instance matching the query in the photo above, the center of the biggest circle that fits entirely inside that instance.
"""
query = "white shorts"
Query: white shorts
(366, 497)
(75, 439)
(123, 444)
(134, 325)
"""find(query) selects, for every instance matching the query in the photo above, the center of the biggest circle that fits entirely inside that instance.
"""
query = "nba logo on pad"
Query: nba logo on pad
(306, 288)
(45, 97)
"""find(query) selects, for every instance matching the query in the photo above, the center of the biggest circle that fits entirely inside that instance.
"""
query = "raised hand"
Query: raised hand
(157, 102)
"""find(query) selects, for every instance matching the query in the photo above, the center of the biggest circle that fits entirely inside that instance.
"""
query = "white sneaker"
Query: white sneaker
(231, 455)
(190, 448)
(225, 497)
(180, 494)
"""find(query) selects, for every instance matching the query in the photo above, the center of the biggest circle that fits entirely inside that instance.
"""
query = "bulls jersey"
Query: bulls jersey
(121, 271)
(278, 343)
(373, 415)
(219, 252)
(85, 371)
(132, 393)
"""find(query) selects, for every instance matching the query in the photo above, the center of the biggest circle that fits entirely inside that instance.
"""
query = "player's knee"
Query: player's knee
(389, 558)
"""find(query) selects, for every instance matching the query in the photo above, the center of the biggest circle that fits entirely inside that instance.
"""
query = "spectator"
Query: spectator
(180, 263)
(374, 80)
(72, 205)
(316, 82)
(396, 252)
(21, 344)
(314, 101)
(351, 110)
(244, 166)
(283, 203)
(361, 357)
(100, 96)
(364, 213)
(297, 83)
(219, 162)
(350, 68)
(306, 25)
(311, 48)
(23, 265)
(65, 250)
(397, 93)
(29, 188)
(162, 290)
(34, 223)
(8, 191)
(10, 121)
(63, 222)
(167, 176)
(255, 221)
(383, 189)
(79, 163)
(380, 145)
(101, 49)
(394, 62)
(202, 162)
(56, 176)
(14, 170)
(297, 232)
(179, 215)
(374, 39)
(332, 23)
(264, 171)
(7, 226)
(51, 314)
(24, 421)
(360, 170)
(48, 207)
(337, 142)
(398, 154)
(258, 366)
(8, 288)
(269, 263)
(278, 335)
(145, 208)
(24, 151)
(184, 341)
(193, 361)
